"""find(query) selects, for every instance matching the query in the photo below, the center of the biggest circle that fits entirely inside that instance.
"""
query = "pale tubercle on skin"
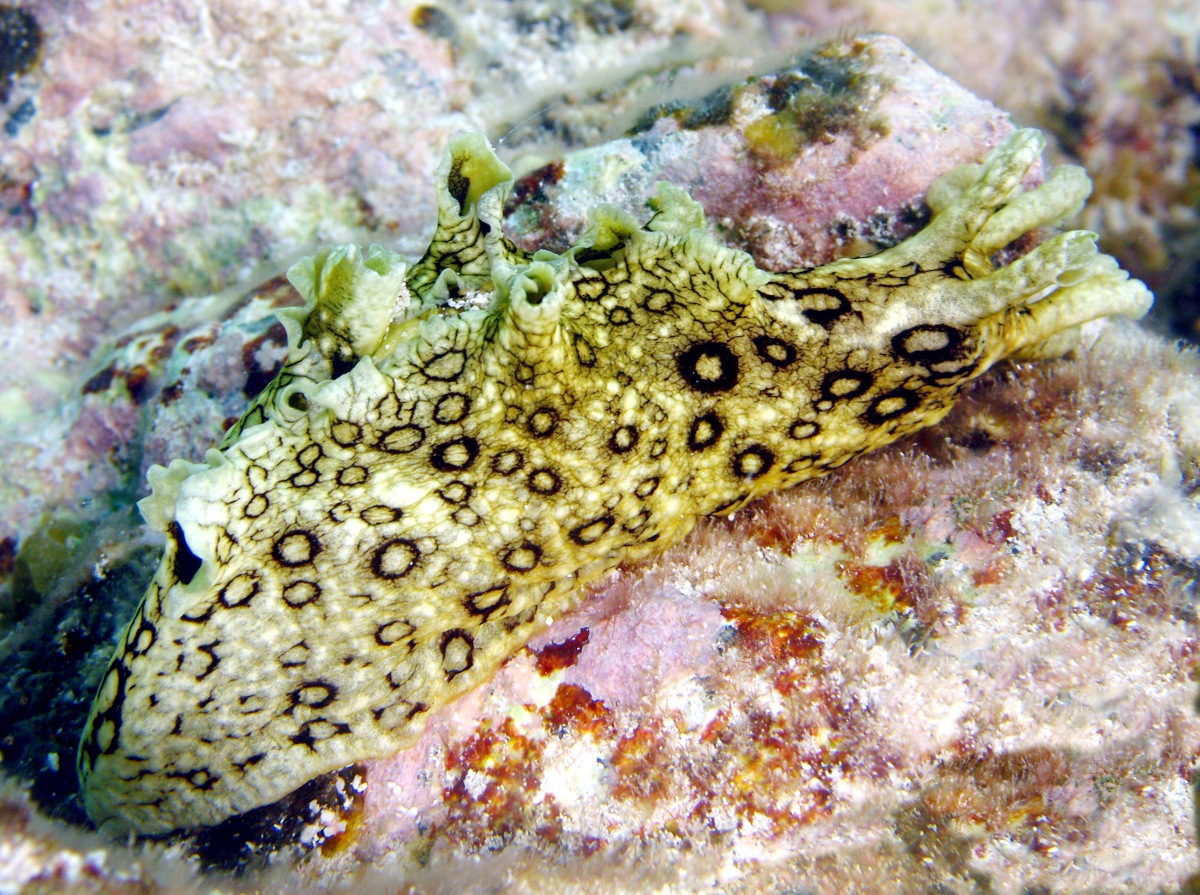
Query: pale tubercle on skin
(430, 478)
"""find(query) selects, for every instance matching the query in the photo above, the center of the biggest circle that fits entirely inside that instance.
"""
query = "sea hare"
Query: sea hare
(453, 449)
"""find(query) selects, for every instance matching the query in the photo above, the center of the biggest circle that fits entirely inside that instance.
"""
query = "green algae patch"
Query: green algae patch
(833, 91)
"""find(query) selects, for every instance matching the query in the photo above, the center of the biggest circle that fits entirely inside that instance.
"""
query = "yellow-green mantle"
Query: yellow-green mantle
(452, 449)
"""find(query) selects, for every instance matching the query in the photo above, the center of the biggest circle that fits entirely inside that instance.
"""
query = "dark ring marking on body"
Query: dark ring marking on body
(393, 632)
(544, 480)
(200, 618)
(394, 558)
(111, 715)
(486, 603)
(455, 455)
(706, 431)
(802, 429)
(623, 440)
(890, 406)
(658, 301)
(305, 737)
(455, 492)
(845, 384)
(381, 515)
(446, 366)
(708, 367)
(801, 463)
(543, 422)
(460, 640)
(590, 532)
(308, 457)
(135, 645)
(301, 593)
(314, 694)
(776, 352)
(647, 487)
(345, 433)
(466, 516)
(619, 316)
(296, 548)
(352, 475)
(402, 439)
(753, 462)
(522, 558)
(823, 317)
(200, 779)
(305, 478)
(584, 351)
(238, 592)
(946, 341)
(451, 408)
(508, 462)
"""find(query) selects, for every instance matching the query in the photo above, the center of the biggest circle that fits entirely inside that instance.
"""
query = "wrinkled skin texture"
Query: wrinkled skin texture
(452, 450)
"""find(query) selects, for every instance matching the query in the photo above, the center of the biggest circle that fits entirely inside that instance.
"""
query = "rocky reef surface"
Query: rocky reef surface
(965, 661)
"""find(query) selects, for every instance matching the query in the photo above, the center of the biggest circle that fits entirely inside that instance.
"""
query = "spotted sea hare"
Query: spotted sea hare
(454, 447)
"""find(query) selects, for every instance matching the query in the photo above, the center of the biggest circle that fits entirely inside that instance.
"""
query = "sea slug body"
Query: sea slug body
(454, 448)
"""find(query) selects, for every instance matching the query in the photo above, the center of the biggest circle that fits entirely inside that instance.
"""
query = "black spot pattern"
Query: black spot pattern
(508, 462)
(522, 558)
(239, 592)
(451, 408)
(544, 481)
(296, 548)
(313, 695)
(394, 558)
(802, 429)
(458, 652)
(776, 352)
(447, 366)
(402, 439)
(706, 431)
(301, 593)
(708, 367)
(542, 422)
(488, 603)
(455, 455)
(844, 385)
(396, 631)
(623, 440)
(753, 462)
(891, 405)
(591, 532)
(929, 344)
